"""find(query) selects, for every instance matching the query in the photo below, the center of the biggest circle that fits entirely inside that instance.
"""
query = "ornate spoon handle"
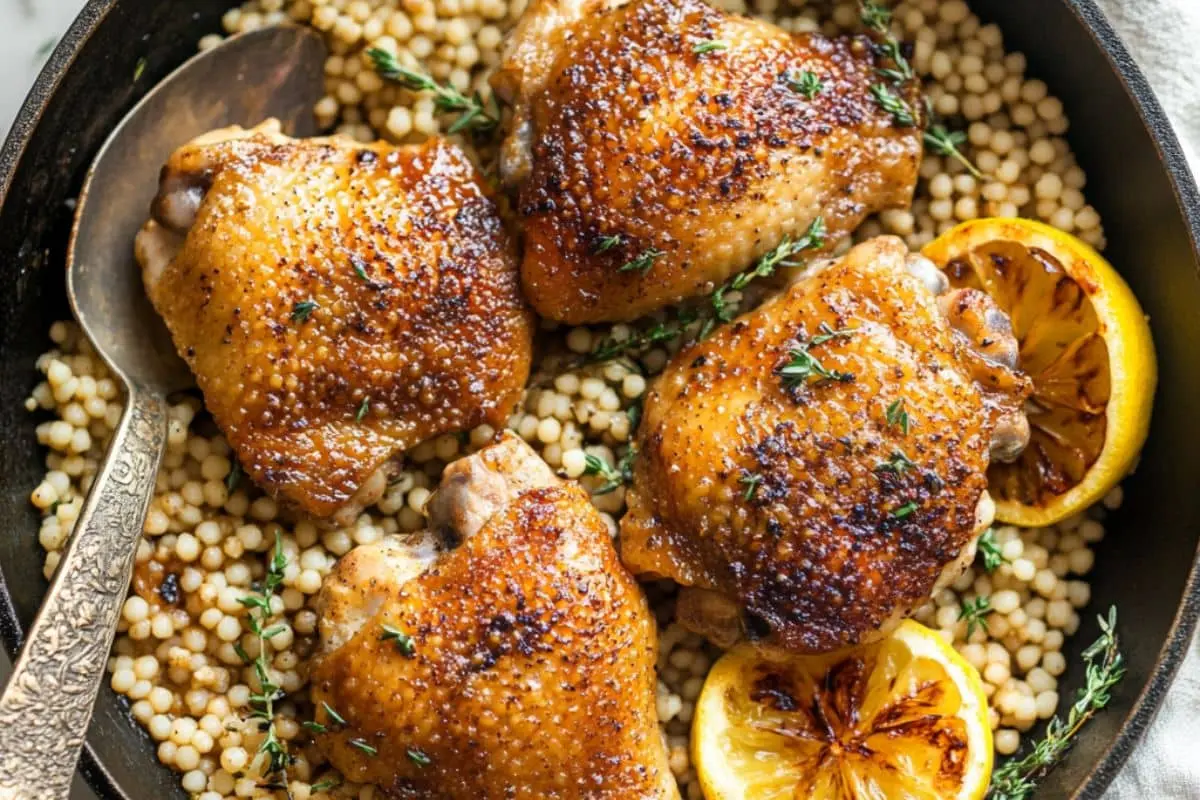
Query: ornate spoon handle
(47, 704)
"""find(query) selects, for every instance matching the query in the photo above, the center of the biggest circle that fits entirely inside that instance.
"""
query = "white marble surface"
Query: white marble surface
(28, 29)
(1161, 34)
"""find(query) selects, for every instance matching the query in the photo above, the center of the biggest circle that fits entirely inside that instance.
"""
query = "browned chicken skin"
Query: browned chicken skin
(812, 512)
(529, 674)
(632, 149)
(338, 303)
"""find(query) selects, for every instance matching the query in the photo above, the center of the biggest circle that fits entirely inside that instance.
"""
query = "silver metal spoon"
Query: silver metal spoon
(47, 704)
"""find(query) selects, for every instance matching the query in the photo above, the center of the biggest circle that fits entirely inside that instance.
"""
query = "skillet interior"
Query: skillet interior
(1143, 567)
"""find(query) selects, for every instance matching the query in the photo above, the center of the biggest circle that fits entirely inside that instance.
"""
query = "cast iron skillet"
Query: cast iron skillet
(1138, 180)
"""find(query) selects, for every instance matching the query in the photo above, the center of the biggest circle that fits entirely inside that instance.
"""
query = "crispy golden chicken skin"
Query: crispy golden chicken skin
(663, 145)
(338, 303)
(526, 667)
(813, 469)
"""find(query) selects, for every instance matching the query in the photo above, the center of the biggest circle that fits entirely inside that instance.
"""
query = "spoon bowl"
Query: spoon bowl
(47, 704)
(274, 72)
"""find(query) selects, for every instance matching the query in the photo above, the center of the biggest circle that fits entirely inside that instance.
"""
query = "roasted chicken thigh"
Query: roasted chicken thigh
(811, 472)
(662, 145)
(338, 303)
(505, 654)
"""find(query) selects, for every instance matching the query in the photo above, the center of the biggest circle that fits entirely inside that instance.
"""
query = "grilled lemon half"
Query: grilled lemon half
(1085, 343)
(905, 716)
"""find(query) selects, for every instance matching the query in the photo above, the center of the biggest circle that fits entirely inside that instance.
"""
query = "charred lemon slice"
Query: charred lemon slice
(1085, 343)
(901, 717)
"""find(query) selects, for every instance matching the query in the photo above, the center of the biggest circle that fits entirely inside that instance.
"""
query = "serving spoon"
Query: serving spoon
(47, 704)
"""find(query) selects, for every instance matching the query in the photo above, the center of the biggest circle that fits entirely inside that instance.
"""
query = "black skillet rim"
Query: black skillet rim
(1187, 195)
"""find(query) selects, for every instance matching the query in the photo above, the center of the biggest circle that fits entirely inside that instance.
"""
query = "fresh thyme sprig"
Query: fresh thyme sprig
(878, 19)
(614, 477)
(643, 262)
(445, 98)
(802, 365)
(665, 331)
(661, 332)
(945, 142)
(806, 83)
(988, 551)
(902, 113)
(812, 239)
(827, 334)
(262, 703)
(975, 613)
(1104, 669)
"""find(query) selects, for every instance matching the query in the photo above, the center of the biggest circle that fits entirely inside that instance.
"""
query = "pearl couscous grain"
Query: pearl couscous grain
(207, 536)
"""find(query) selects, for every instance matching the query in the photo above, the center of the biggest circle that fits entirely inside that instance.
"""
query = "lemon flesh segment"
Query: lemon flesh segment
(902, 717)
(1085, 343)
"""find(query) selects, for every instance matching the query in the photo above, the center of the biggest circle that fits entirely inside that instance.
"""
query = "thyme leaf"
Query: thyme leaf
(337, 718)
(303, 310)
(709, 46)
(751, 481)
(988, 551)
(897, 462)
(404, 642)
(605, 243)
(806, 83)
(643, 262)
(363, 746)
(975, 613)
(614, 477)
(897, 415)
(325, 785)
(234, 477)
(360, 269)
